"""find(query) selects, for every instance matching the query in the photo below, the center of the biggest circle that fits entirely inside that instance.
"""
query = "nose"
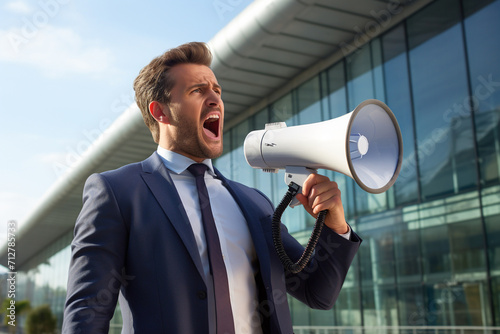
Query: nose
(214, 99)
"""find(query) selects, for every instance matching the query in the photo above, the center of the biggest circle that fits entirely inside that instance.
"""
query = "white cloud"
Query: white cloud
(55, 51)
(18, 6)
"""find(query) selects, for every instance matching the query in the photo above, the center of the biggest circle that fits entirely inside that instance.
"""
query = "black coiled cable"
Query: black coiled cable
(289, 265)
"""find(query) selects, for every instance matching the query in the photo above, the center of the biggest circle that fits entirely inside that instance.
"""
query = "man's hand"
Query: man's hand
(318, 194)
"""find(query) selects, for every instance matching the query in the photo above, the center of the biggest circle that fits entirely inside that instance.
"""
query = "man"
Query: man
(143, 237)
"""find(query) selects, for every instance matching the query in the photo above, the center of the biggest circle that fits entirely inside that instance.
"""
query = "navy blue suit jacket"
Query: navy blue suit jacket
(133, 241)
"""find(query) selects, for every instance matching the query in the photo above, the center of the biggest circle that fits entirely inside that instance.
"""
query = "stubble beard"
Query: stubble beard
(190, 141)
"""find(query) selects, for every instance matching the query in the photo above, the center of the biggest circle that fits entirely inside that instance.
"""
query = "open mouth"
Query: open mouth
(211, 126)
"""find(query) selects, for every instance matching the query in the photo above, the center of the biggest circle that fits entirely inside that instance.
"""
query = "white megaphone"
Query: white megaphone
(364, 144)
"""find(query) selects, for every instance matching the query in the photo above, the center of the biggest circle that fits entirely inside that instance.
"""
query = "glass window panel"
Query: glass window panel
(436, 253)
(467, 244)
(383, 257)
(380, 306)
(348, 308)
(322, 318)
(491, 214)
(378, 76)
(260, 119)
(364, 255)
(360, 78)
(223, 163)
(369, 307)
(309, 102)
(282, 109)
(432, 21)
(411, 305)
(438, 300)
(399, 100)
(488, 146)
(495, 285)
(241, 171)
(377, 258)
(337, 91)
(300, 312)
(407, 254)
(457, 304)
(377, 255)
(493, 229)
(483, 54)
(471, 6)
(443, 124)
(366, 203)
(325, 103)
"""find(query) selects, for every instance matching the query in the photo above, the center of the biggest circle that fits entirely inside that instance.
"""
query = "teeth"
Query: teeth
(213, 116)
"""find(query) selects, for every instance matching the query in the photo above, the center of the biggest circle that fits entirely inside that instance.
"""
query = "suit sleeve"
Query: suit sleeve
(97, 261)
(319, 284)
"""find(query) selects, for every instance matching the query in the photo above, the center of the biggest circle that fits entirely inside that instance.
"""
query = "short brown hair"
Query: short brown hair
(155, 84)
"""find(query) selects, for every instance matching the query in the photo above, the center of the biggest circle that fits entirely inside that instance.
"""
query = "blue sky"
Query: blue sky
(66, 72)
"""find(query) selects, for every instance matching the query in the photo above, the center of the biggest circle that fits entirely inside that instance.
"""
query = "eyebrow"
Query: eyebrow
(204, 85)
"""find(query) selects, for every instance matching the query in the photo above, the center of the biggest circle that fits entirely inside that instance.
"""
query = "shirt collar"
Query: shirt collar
(178, 163)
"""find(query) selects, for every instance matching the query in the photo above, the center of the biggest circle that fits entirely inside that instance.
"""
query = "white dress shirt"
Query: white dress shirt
(236, 242)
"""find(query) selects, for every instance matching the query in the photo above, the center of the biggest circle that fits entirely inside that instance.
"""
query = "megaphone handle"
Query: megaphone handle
(297, 175)
(288, 264)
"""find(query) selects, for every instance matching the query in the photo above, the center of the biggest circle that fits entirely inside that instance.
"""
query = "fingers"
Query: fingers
(321, 193)
(318, 194)
(325, 201)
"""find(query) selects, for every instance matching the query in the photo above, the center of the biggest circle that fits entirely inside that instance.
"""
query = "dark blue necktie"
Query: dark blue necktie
(224, 314)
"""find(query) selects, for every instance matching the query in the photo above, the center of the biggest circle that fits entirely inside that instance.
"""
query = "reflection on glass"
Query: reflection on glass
(443, 121)
(379, 306)
(347, 308)
(483, 52)
(398, 95)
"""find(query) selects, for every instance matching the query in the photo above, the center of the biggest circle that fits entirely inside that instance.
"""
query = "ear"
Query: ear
(159, 112)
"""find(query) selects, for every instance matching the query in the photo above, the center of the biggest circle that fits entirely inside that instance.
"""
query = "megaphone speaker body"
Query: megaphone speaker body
(365, 144)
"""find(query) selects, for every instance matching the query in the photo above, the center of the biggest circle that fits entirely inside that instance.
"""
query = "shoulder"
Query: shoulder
(117, 180)
(125, 172)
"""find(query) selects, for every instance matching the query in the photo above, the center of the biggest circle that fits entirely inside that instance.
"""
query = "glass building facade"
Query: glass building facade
(430, 255)
(431, 249)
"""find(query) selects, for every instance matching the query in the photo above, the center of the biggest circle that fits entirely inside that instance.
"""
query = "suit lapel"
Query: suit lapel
(158, 180)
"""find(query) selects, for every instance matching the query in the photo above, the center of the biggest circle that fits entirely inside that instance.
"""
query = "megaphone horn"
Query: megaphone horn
(364, 144)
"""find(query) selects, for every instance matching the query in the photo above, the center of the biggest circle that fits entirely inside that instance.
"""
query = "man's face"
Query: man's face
(196, 113)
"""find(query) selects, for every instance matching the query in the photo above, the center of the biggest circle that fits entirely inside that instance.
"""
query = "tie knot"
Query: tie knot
(197, 169)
